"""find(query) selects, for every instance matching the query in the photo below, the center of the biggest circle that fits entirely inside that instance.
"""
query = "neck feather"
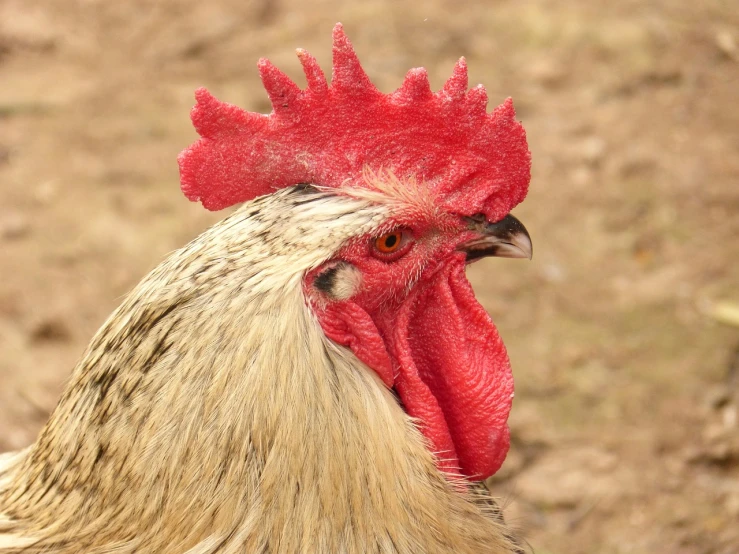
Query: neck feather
(211, 413)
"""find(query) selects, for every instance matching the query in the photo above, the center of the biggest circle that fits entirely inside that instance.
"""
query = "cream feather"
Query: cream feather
(210, 414)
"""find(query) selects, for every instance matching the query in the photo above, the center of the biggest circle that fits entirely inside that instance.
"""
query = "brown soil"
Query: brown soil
(625, 426)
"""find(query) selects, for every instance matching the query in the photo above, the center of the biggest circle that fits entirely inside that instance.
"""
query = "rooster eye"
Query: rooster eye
(391, 246)
(389, 243)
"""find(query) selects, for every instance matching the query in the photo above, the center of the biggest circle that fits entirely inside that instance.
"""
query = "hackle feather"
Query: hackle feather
(210, 414)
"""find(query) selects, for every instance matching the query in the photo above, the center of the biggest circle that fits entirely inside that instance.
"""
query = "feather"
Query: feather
(206, 418)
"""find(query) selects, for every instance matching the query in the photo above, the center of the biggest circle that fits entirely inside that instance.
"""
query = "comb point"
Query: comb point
(203, 97)
(456, 85)
(477, 99)
(213, 118)
(415, 87)
(348, 74)
(506, 109)
(314, 75)
(281, 90)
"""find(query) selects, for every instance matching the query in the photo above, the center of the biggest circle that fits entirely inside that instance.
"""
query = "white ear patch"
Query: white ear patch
(339, 282)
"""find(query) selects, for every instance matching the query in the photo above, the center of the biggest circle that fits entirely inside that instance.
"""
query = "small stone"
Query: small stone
(46, 192)
(547, 72)
(637, 165)
(714, 432)
(732, 505)
(729, 416)
(14, 226)
(582, 176)
(565, 479)
(553, 272)
(592, 149)
(51, 330)
(718, 397)
(726, 44)
(27, 29)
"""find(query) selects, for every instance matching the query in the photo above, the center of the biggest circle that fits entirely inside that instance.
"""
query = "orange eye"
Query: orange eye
(393, 245)
(389, 242)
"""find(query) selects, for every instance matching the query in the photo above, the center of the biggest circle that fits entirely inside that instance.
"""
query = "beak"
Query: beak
(507, 238)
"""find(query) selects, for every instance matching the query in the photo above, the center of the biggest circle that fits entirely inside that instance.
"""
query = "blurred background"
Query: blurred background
(623, 331)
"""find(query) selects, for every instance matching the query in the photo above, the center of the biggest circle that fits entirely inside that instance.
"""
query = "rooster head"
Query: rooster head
(448, 173)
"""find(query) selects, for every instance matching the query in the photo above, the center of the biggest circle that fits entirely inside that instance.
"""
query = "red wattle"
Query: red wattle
(349, 325)
(460, 357)
(441, 352)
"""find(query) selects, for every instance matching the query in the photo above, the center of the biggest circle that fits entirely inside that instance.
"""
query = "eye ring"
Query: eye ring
(392, 245)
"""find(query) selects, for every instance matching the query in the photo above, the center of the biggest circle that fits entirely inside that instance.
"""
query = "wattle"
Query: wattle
(441, 352)
(454, 374)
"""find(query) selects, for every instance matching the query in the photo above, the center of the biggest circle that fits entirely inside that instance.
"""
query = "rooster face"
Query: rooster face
(399, 299)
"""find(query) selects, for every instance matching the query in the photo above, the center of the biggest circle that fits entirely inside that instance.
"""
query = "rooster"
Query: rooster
(313, 374)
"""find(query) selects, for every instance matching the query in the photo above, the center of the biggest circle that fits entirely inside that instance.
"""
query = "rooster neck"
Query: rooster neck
(210, 412)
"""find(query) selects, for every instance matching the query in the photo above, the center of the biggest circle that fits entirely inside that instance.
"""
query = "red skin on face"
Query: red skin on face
(434, 344)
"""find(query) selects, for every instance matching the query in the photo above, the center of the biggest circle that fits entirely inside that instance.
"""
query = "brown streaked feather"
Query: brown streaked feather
(210, 414)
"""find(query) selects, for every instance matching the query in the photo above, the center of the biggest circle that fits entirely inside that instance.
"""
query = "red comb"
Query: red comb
(328, 134)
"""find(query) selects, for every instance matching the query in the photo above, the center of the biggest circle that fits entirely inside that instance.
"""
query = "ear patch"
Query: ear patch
(339, 282)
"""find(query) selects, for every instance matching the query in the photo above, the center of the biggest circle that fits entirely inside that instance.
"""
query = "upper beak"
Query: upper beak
(507, 238)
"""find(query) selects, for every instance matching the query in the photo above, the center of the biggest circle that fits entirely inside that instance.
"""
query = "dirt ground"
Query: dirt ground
(626, 423)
